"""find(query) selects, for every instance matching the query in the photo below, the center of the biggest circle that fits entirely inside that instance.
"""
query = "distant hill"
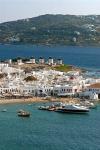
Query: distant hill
(53, 29)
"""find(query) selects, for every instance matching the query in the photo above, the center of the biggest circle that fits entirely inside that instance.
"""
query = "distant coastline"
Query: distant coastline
(51, 45)
(69, 30)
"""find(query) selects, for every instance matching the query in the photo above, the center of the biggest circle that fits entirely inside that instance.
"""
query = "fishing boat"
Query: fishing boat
(43, 107)
(49, 108)
(22, 113)
(52, 109)
(4, 110)
(90, 105)
(71, 108)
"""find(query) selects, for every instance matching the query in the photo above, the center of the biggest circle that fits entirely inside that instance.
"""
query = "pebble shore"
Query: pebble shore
(38, 99)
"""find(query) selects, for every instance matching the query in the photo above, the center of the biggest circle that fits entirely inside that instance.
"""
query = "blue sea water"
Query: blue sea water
(48, 130)
(88, 57)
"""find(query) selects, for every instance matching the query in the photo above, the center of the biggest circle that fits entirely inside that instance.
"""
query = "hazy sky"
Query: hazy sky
(17, 9)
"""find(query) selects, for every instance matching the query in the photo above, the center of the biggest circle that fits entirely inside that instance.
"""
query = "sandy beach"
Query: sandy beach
(38, 99)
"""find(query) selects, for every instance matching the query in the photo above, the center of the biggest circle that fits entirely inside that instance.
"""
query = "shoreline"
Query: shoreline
(37, 100)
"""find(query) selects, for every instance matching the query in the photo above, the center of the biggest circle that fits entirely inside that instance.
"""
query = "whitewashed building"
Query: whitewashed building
(3, 65)
(59, 62)
(32, 60)
(65, 90)
(94, 88)
(41, 60)
(9, 61)
(19, 62)
(89, 95)
(50, 61)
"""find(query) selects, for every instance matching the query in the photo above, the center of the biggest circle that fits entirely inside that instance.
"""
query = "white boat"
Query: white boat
(90, 105)
(4, 110)
(71, 108)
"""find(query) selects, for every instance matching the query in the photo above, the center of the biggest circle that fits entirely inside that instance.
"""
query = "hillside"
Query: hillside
(53, 29)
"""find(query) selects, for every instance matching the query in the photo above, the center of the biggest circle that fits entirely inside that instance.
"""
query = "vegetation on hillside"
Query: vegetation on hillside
(63, 68)
(53, 29)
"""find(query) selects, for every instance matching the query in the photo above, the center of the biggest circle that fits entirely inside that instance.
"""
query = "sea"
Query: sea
(86, 57)
(45, 130)
(50, 130)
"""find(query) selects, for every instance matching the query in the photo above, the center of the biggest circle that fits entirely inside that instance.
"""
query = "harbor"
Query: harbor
(38, 129)
(23, 81)
(29, 87)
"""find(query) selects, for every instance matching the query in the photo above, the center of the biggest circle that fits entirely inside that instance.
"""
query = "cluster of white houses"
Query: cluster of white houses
(47, 83)
(41, 60)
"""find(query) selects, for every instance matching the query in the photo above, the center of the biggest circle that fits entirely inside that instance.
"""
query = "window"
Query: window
(75, 90)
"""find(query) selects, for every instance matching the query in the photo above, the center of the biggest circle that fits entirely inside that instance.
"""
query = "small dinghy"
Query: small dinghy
(22, 113)
(4, 110)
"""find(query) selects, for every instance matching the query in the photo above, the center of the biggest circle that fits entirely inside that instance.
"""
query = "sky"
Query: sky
(19, 9)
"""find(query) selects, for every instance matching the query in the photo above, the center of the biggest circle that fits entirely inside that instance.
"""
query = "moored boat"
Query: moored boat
(22, 113)
(4, 110)
(43, 107)
(48, 108)
(90, 105)
(72, 109)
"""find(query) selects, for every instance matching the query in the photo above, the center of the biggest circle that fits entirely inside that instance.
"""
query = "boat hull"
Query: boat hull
(24, 115)
(72, 111)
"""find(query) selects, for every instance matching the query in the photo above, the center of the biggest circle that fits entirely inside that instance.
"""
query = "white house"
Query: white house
(41, 60)
(32, 60)
(19, 62)
(3, 65)
(94, 88)
(50, 61)
(10, 61)
(59, 62)
(65, 90)
(88, 94)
